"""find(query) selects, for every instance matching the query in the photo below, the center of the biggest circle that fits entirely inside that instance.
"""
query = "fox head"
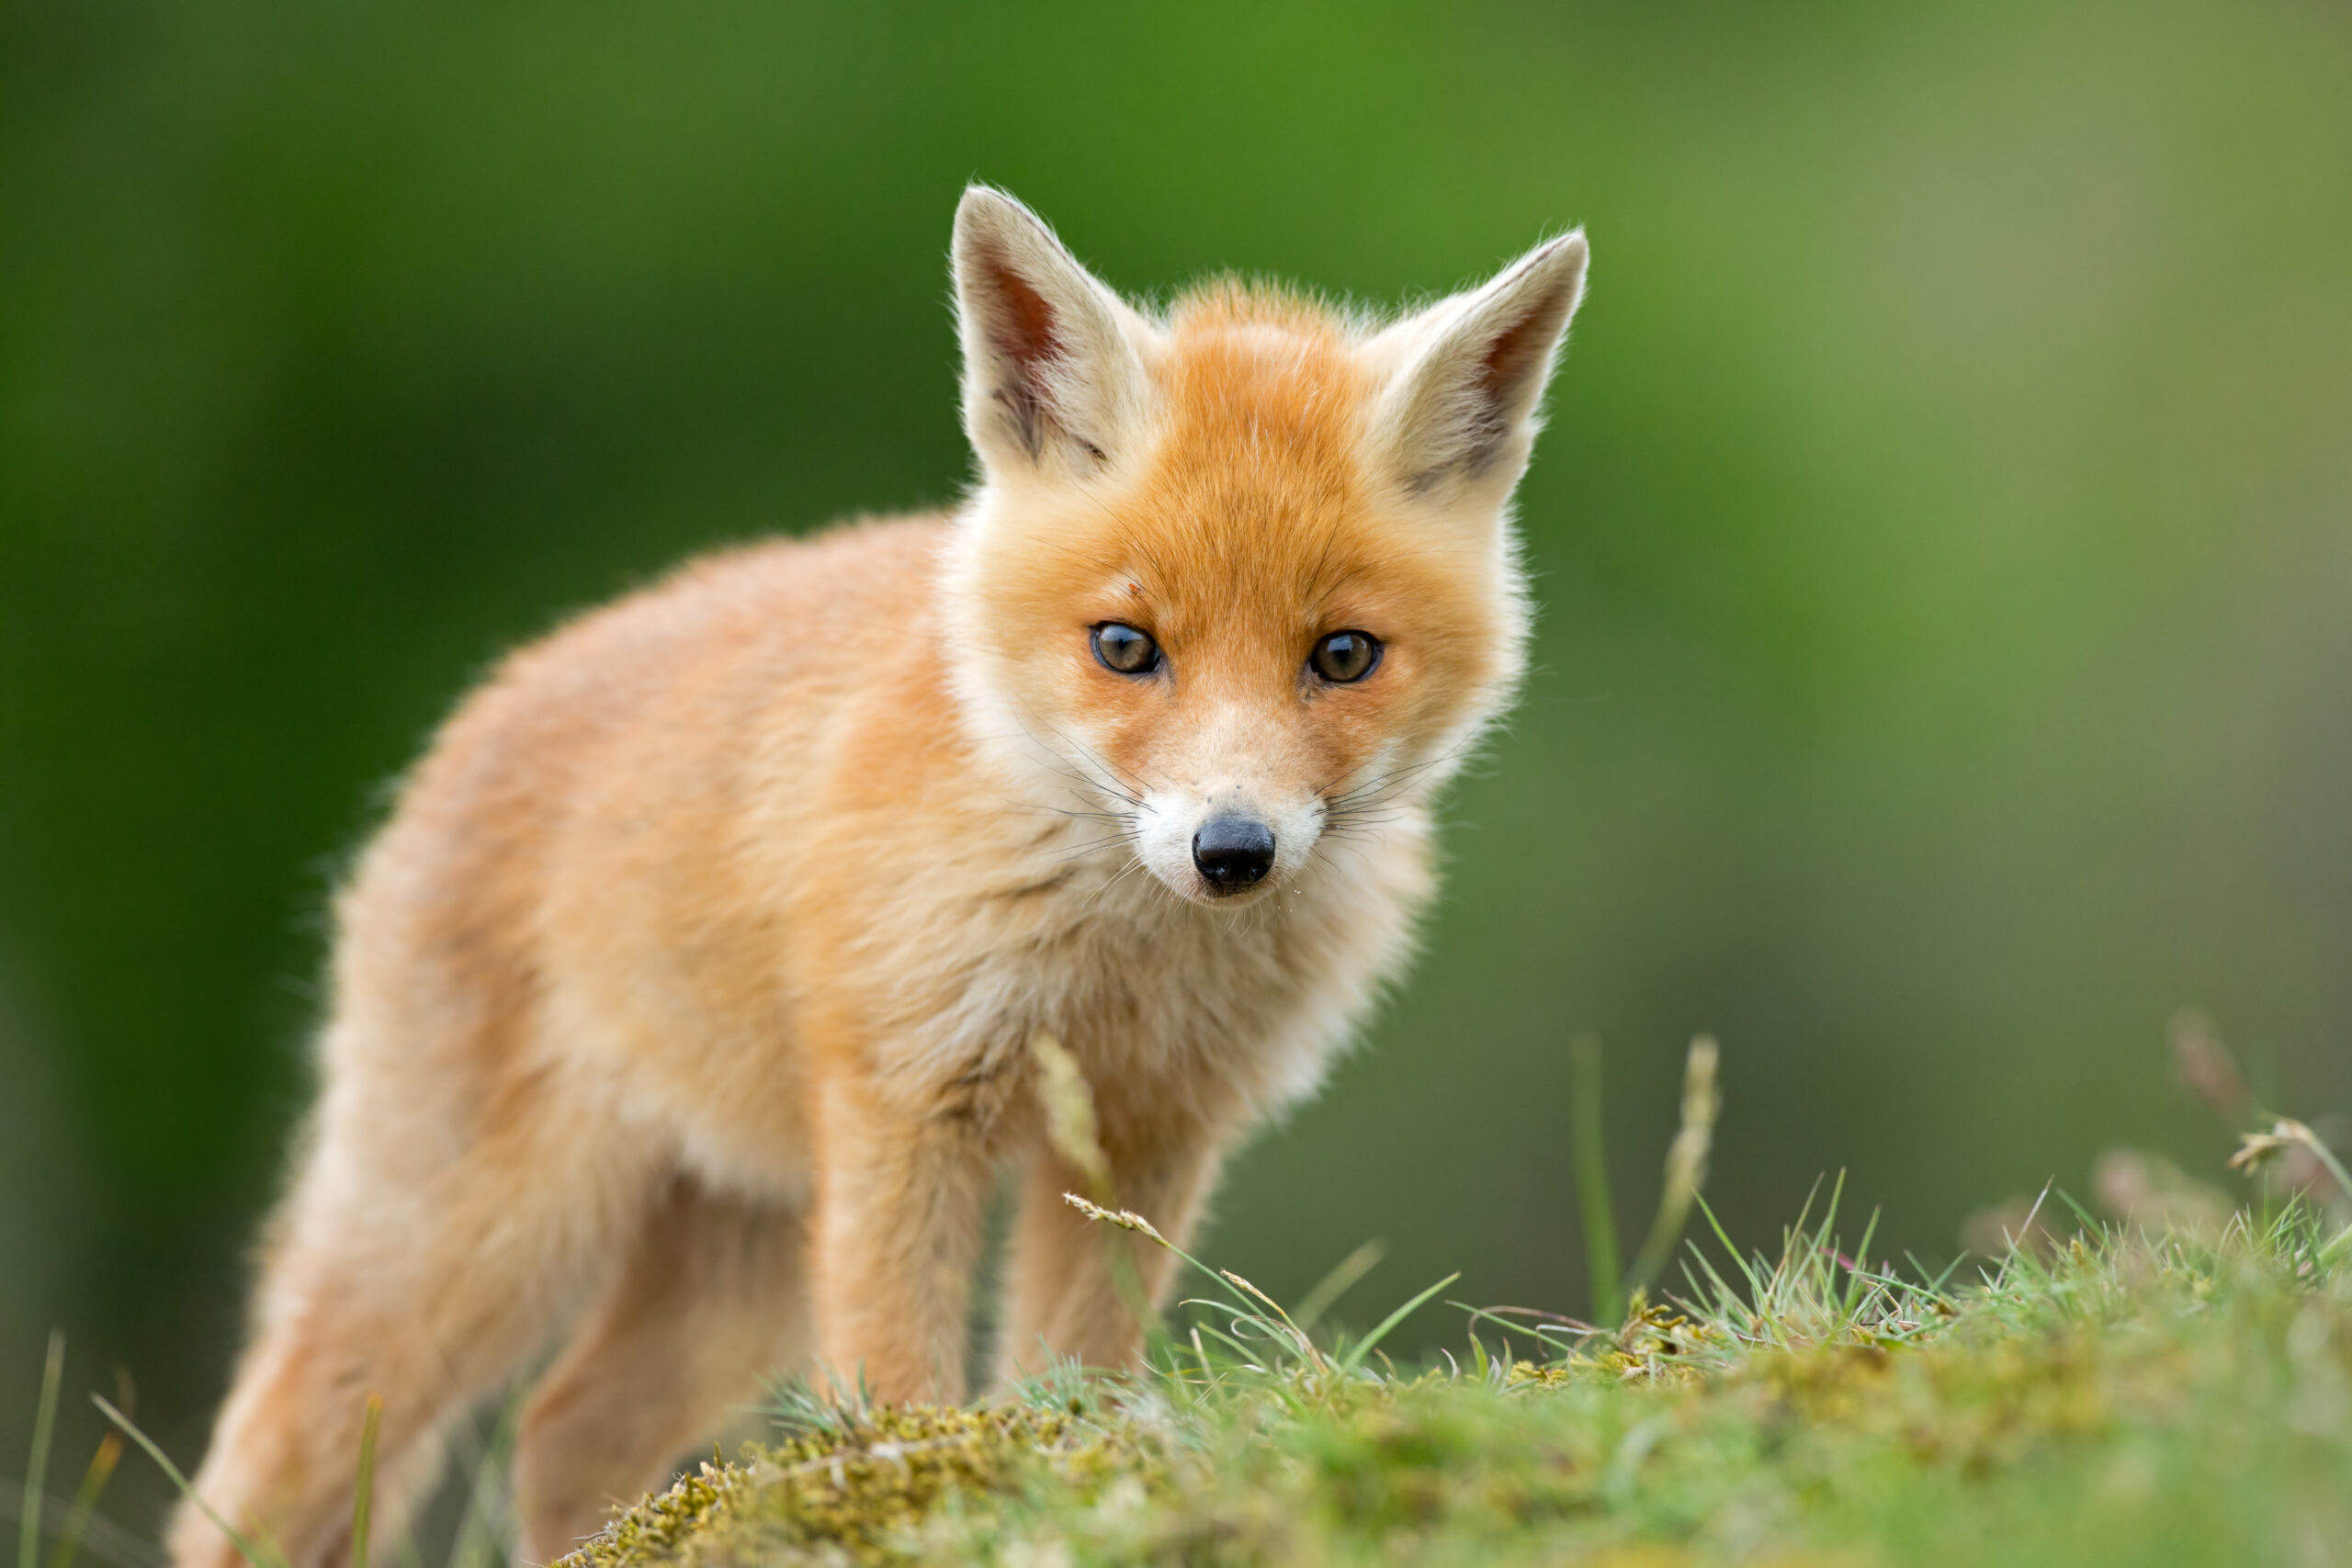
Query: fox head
(1241, 576)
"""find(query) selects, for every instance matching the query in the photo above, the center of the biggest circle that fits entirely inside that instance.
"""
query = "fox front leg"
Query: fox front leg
(1067, 1297)
(899, 1203)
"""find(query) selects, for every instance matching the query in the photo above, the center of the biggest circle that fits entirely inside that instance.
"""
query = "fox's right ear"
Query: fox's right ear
(1051, 367)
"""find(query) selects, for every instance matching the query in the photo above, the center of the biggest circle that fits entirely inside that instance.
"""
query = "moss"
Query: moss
(1657, 1344)
(2130, 1401)
(861, 1491)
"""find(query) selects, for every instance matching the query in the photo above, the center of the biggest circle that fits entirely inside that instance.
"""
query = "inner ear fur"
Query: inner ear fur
(1464, 405)
(1051, 371)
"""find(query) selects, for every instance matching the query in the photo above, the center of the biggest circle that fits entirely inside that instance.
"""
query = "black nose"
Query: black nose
(1234, 852)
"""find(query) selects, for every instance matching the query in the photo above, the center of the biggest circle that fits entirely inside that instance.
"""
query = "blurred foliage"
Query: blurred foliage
(1942, 534)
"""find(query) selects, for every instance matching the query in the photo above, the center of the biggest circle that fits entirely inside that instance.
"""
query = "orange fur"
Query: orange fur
(685, 998)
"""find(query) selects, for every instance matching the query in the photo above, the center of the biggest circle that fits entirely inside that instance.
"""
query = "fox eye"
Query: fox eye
(1343, 656)
(1125, 648)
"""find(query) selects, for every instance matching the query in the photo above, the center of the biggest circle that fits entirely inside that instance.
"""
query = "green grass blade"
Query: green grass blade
(477, 1539)
(1354, 1358)
(1686, 1167)
(1297, 1336)
(363, 1490)
(53, 1376)
(1504, 1325)
(1821, 1250)
(1855, 1280)
(1592, 1180)
(1209, 1376)
(1934, 1279)
(1224, 1279)
(252, 1553)
(2018, 1257)
(85, 1500)
(1755, 1282)
(1338, 1282)
(1249, 1356)
(2090, 1222)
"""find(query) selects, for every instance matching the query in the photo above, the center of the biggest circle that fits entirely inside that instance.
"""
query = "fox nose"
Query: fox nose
(1233, 852)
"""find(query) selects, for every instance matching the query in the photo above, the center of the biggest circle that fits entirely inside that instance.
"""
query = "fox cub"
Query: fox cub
(683, 1010)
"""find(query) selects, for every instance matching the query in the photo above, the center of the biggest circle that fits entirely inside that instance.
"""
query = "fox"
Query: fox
(681, 1010)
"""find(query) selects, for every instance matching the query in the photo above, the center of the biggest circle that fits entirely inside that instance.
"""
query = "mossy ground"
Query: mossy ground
(2128, 1399)
(2172, 1387)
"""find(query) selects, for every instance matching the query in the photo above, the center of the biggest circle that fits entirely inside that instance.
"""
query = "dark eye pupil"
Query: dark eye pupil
(1125, 648)
(1345, 656)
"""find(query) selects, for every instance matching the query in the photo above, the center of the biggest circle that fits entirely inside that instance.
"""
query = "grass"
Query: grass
(2127, 1399)
(2169, 1385)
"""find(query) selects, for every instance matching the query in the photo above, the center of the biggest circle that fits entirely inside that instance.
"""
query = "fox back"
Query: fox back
(698, 990)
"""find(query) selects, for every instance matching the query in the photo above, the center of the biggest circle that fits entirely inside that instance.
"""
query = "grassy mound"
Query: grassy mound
(2125, 1398)
(2173, 1387)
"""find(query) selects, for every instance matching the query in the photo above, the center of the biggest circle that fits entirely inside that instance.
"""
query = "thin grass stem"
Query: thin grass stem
(476, 1543)
(251, 1551)
(1354, 1356)
(1337, 1284)
(363, 1490)
(1592, 1180)
(52, 1377)
(1686, 1166)
(85, 1500)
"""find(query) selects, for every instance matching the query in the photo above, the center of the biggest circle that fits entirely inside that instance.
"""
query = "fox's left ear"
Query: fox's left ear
(1461, 405)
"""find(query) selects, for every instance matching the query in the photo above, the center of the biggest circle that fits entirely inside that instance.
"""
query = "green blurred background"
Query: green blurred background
(1944, 537)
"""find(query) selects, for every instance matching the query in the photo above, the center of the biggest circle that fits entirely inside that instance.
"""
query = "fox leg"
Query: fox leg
(1064, 1298)
(900, 1201)
(712, 1295)
(408, 1271)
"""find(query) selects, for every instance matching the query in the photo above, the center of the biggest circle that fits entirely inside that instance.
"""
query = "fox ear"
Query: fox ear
(1050, 362)
(1461, 405)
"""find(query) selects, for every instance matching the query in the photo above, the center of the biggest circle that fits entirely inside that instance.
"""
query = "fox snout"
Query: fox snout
(1232, 853)
(1222, 845)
